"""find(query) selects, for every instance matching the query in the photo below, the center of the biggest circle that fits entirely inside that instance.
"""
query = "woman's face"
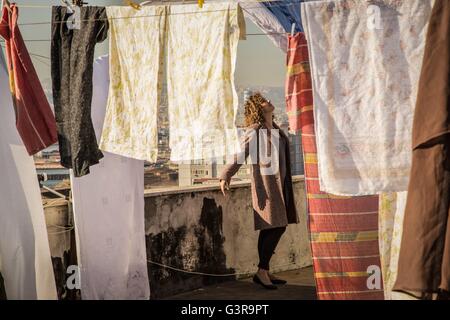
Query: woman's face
(267, 107)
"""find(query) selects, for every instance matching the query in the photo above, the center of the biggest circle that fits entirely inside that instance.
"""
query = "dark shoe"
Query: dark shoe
(278, 281)
(257, 280)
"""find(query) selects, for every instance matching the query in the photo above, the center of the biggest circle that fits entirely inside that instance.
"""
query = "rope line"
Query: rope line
(60, 232)
(69, 229)
(32, 54)
(211, 274)
(149, 16)
(248, 34)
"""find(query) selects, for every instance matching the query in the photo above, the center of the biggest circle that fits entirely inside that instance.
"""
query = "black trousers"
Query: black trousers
(267, 242)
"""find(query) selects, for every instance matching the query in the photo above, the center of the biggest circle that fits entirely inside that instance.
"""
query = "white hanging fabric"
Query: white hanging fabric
(25, 260)
(201, 60)
(365, 65)
(266, 21)
(109, 216)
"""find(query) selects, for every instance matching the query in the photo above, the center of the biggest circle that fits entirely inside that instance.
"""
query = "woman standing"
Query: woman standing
(272, 193)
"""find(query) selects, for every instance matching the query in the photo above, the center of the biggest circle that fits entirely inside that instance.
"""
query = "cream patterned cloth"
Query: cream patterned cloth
(365, 62)
(136, 58)
(391, 214)
(202, 48)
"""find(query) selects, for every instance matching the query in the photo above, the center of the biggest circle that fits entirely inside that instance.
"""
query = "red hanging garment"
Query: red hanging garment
(343, 230)
(35, 121)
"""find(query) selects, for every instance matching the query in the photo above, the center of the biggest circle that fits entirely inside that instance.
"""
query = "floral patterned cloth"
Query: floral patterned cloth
(365, 63)
(136, 47)
(201, 52)
(391, 214)
(202, 49)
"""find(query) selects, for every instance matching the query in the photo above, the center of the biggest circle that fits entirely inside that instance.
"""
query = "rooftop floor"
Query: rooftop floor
(300, 286)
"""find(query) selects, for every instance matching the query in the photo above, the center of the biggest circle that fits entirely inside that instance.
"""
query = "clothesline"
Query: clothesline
(212, 274)
(31, 54)
(2, 43)
(146, 16)
(248, 34)
(41, 6)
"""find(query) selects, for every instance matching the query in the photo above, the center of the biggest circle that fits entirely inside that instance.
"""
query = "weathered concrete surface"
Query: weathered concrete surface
(195, 229)
(62, 246)
(300, 286)
(203, 231)
(61, 237)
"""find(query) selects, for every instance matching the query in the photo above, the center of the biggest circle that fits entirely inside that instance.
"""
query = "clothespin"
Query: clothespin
(200, 3)
(132, 4)
(293, 29)
(5, 3)
(68, 5)
(73, 21)
(78, 3)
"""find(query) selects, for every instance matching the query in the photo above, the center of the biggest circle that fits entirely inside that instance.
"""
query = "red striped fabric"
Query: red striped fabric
(343, 230)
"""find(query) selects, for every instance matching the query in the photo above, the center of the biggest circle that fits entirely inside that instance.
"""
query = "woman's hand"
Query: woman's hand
(224, 185)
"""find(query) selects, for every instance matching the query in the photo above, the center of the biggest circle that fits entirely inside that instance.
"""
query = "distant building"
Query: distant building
(187, 173)
(247, 93)
(297, 166)
(50, 177)
(204, 172)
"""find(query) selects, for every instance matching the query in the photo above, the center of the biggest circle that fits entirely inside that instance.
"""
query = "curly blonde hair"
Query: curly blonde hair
(253, 110)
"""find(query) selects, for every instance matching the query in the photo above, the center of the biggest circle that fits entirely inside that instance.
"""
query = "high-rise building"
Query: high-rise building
(297, 165)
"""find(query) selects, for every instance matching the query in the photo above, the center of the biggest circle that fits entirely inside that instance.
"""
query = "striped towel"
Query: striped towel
(297, 73)
(343, 230)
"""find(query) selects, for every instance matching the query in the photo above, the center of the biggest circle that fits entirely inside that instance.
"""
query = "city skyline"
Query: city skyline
(164, 173)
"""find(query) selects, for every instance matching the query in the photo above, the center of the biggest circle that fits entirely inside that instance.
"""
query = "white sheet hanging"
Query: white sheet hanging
(201, 60)
(365, 61)
(109, 216)
(25, 260)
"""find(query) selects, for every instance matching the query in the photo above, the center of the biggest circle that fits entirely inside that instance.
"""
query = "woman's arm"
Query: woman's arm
(238, 160)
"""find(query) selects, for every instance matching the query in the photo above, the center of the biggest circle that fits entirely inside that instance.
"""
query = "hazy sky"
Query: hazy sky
(259, 61)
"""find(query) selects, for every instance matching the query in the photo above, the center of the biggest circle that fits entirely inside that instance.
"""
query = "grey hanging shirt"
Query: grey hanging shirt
(72, 54)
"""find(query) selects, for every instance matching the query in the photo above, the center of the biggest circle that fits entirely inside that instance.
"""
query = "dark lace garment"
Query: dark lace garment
(72, 54)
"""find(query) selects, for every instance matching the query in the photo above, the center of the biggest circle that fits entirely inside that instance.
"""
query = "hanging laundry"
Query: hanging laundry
(266, 21)
(365, 71)
(33, 116)
(72, 55)
(287, 13)
(391, 215)
(25, 261)
(274, 18)
(424, 265)
(297, 98)
(109, 216)
(136, 58)
(343, 230)
(201, 61)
